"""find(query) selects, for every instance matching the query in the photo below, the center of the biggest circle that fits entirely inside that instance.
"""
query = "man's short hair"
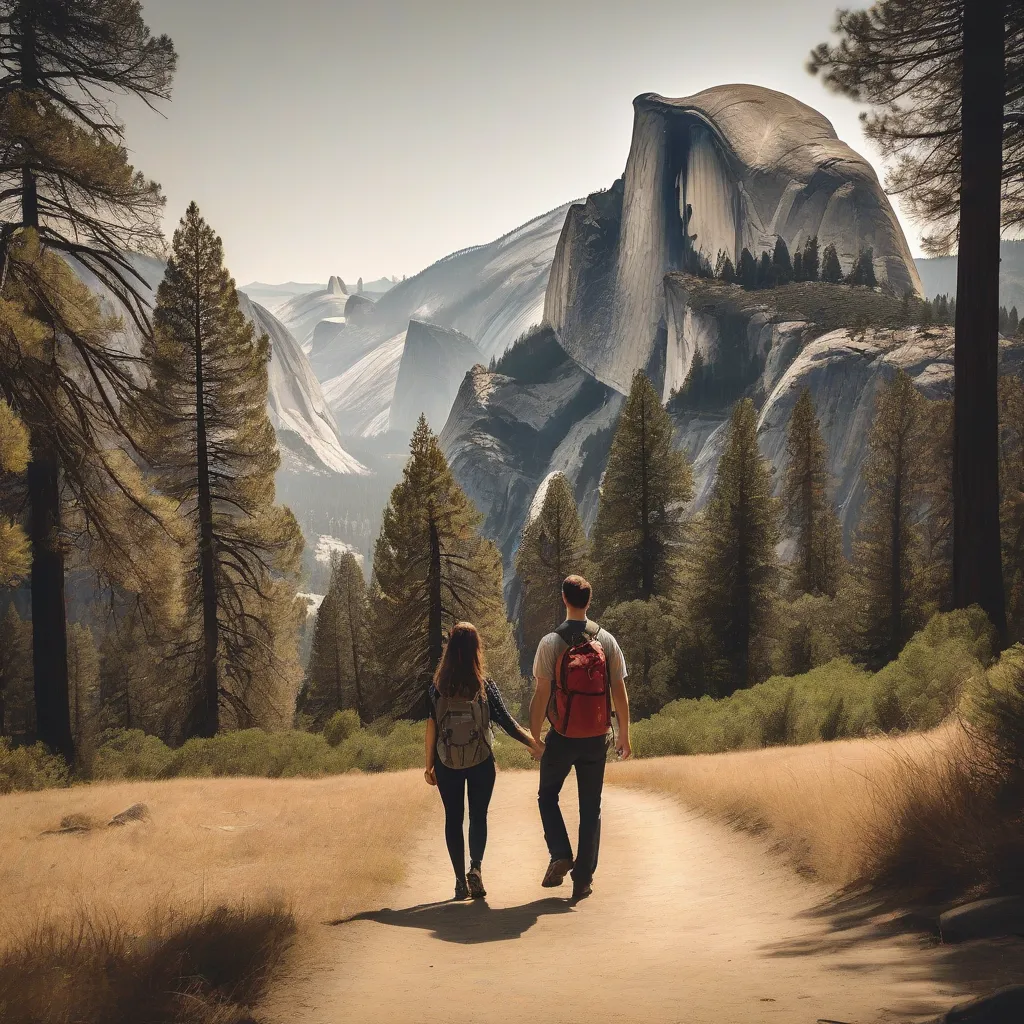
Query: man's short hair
(577, 592)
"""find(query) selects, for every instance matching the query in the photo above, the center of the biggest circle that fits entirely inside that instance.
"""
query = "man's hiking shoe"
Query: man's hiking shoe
(556, 872)
(461, 889)
(476, 884)
(581, 890)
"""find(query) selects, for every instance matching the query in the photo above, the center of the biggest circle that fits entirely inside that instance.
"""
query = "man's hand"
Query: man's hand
(429, 775)
(623, 748)
(536, 749)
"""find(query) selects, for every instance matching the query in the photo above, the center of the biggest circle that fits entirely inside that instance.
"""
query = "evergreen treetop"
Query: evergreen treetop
(863, 272)
(782, 265)
(747, 271)
(831, 268)
(554, 545)
(641, 513)
(431, 569)
(338, 673)
(811, 262)
(809, 513)
(887, 551)
(737, 573)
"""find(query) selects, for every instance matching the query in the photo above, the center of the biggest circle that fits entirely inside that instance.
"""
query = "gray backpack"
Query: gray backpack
(464, 736)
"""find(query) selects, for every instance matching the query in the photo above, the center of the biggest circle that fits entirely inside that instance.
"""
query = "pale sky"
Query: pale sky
(326, 137)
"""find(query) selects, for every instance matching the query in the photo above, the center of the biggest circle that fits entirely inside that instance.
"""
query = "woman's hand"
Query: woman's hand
(536, 749)
(429, 775)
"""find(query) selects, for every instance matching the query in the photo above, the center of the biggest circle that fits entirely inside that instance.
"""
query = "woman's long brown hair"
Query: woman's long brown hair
(461, 672)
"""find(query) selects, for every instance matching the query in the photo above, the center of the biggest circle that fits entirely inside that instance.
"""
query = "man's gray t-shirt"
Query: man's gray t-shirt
(553, 646)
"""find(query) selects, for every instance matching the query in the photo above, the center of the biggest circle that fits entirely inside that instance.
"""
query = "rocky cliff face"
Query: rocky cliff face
(434, 362)
(732, 167)
(510, 428)
(306, 431)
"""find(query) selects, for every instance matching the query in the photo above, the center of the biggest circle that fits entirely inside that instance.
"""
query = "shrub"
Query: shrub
(212, 967)
(917, 691)
(253, 752)
(29, 768)
(340, 726)
(130, 754)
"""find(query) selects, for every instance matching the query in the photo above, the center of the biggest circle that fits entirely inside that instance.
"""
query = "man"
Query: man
(579, 673)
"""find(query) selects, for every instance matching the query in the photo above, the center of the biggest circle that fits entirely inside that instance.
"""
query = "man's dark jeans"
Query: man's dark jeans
(587, 756)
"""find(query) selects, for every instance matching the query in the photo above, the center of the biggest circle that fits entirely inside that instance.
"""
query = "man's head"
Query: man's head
(576, 593)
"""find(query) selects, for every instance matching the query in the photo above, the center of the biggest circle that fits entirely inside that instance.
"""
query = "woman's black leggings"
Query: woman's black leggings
(452, 784)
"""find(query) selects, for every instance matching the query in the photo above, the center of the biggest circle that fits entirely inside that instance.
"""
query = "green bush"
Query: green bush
(29, 768)
(130, 754)
(385, 746)
(923, 686)
(340, 726)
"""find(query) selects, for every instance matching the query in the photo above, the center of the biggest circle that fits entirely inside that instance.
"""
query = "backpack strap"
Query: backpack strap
(572, 630)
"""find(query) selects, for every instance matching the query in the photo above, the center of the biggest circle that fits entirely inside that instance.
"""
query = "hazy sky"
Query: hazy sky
(323, 137)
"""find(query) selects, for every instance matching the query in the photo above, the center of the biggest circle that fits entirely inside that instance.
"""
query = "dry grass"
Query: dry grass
(96, 925)
(827, 806)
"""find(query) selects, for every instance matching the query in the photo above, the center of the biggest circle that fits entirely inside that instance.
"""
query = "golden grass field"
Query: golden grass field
(316, 847)
(825, 805)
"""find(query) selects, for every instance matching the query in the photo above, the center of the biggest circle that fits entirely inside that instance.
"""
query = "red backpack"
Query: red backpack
(581, 703)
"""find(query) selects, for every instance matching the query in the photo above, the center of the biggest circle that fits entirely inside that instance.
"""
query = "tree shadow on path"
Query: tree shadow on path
(466, 922)
(857, 922)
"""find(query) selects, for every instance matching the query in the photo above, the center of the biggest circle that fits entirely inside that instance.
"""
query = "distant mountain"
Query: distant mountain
(491, 294)
(273, 296)
(938, 275)
(732, 167)
(306, 432)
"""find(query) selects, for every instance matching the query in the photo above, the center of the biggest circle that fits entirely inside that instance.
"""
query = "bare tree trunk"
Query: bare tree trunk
(49, 614)
(977, 566)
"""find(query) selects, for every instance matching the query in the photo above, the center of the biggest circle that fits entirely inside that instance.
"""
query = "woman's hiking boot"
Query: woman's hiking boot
(476, 884)
(461, 889)
(556, 872)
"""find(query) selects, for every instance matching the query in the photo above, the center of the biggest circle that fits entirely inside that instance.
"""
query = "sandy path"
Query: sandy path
(689, 923)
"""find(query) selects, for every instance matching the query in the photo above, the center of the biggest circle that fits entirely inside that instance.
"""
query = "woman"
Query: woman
(463, 703)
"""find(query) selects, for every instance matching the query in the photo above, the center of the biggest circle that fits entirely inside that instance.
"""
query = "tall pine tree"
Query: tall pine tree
(66, 186)
(431, 569)
(887, 552)
(338, 673)
(641, 514)
(944, 80)
(553, 546)
(216, 457)
(809, 512)
(736, 577)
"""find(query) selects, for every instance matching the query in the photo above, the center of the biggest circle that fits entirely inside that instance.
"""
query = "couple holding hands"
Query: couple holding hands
(579, 676)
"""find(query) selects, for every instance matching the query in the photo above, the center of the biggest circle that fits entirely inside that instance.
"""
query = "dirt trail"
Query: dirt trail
(690, 923)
